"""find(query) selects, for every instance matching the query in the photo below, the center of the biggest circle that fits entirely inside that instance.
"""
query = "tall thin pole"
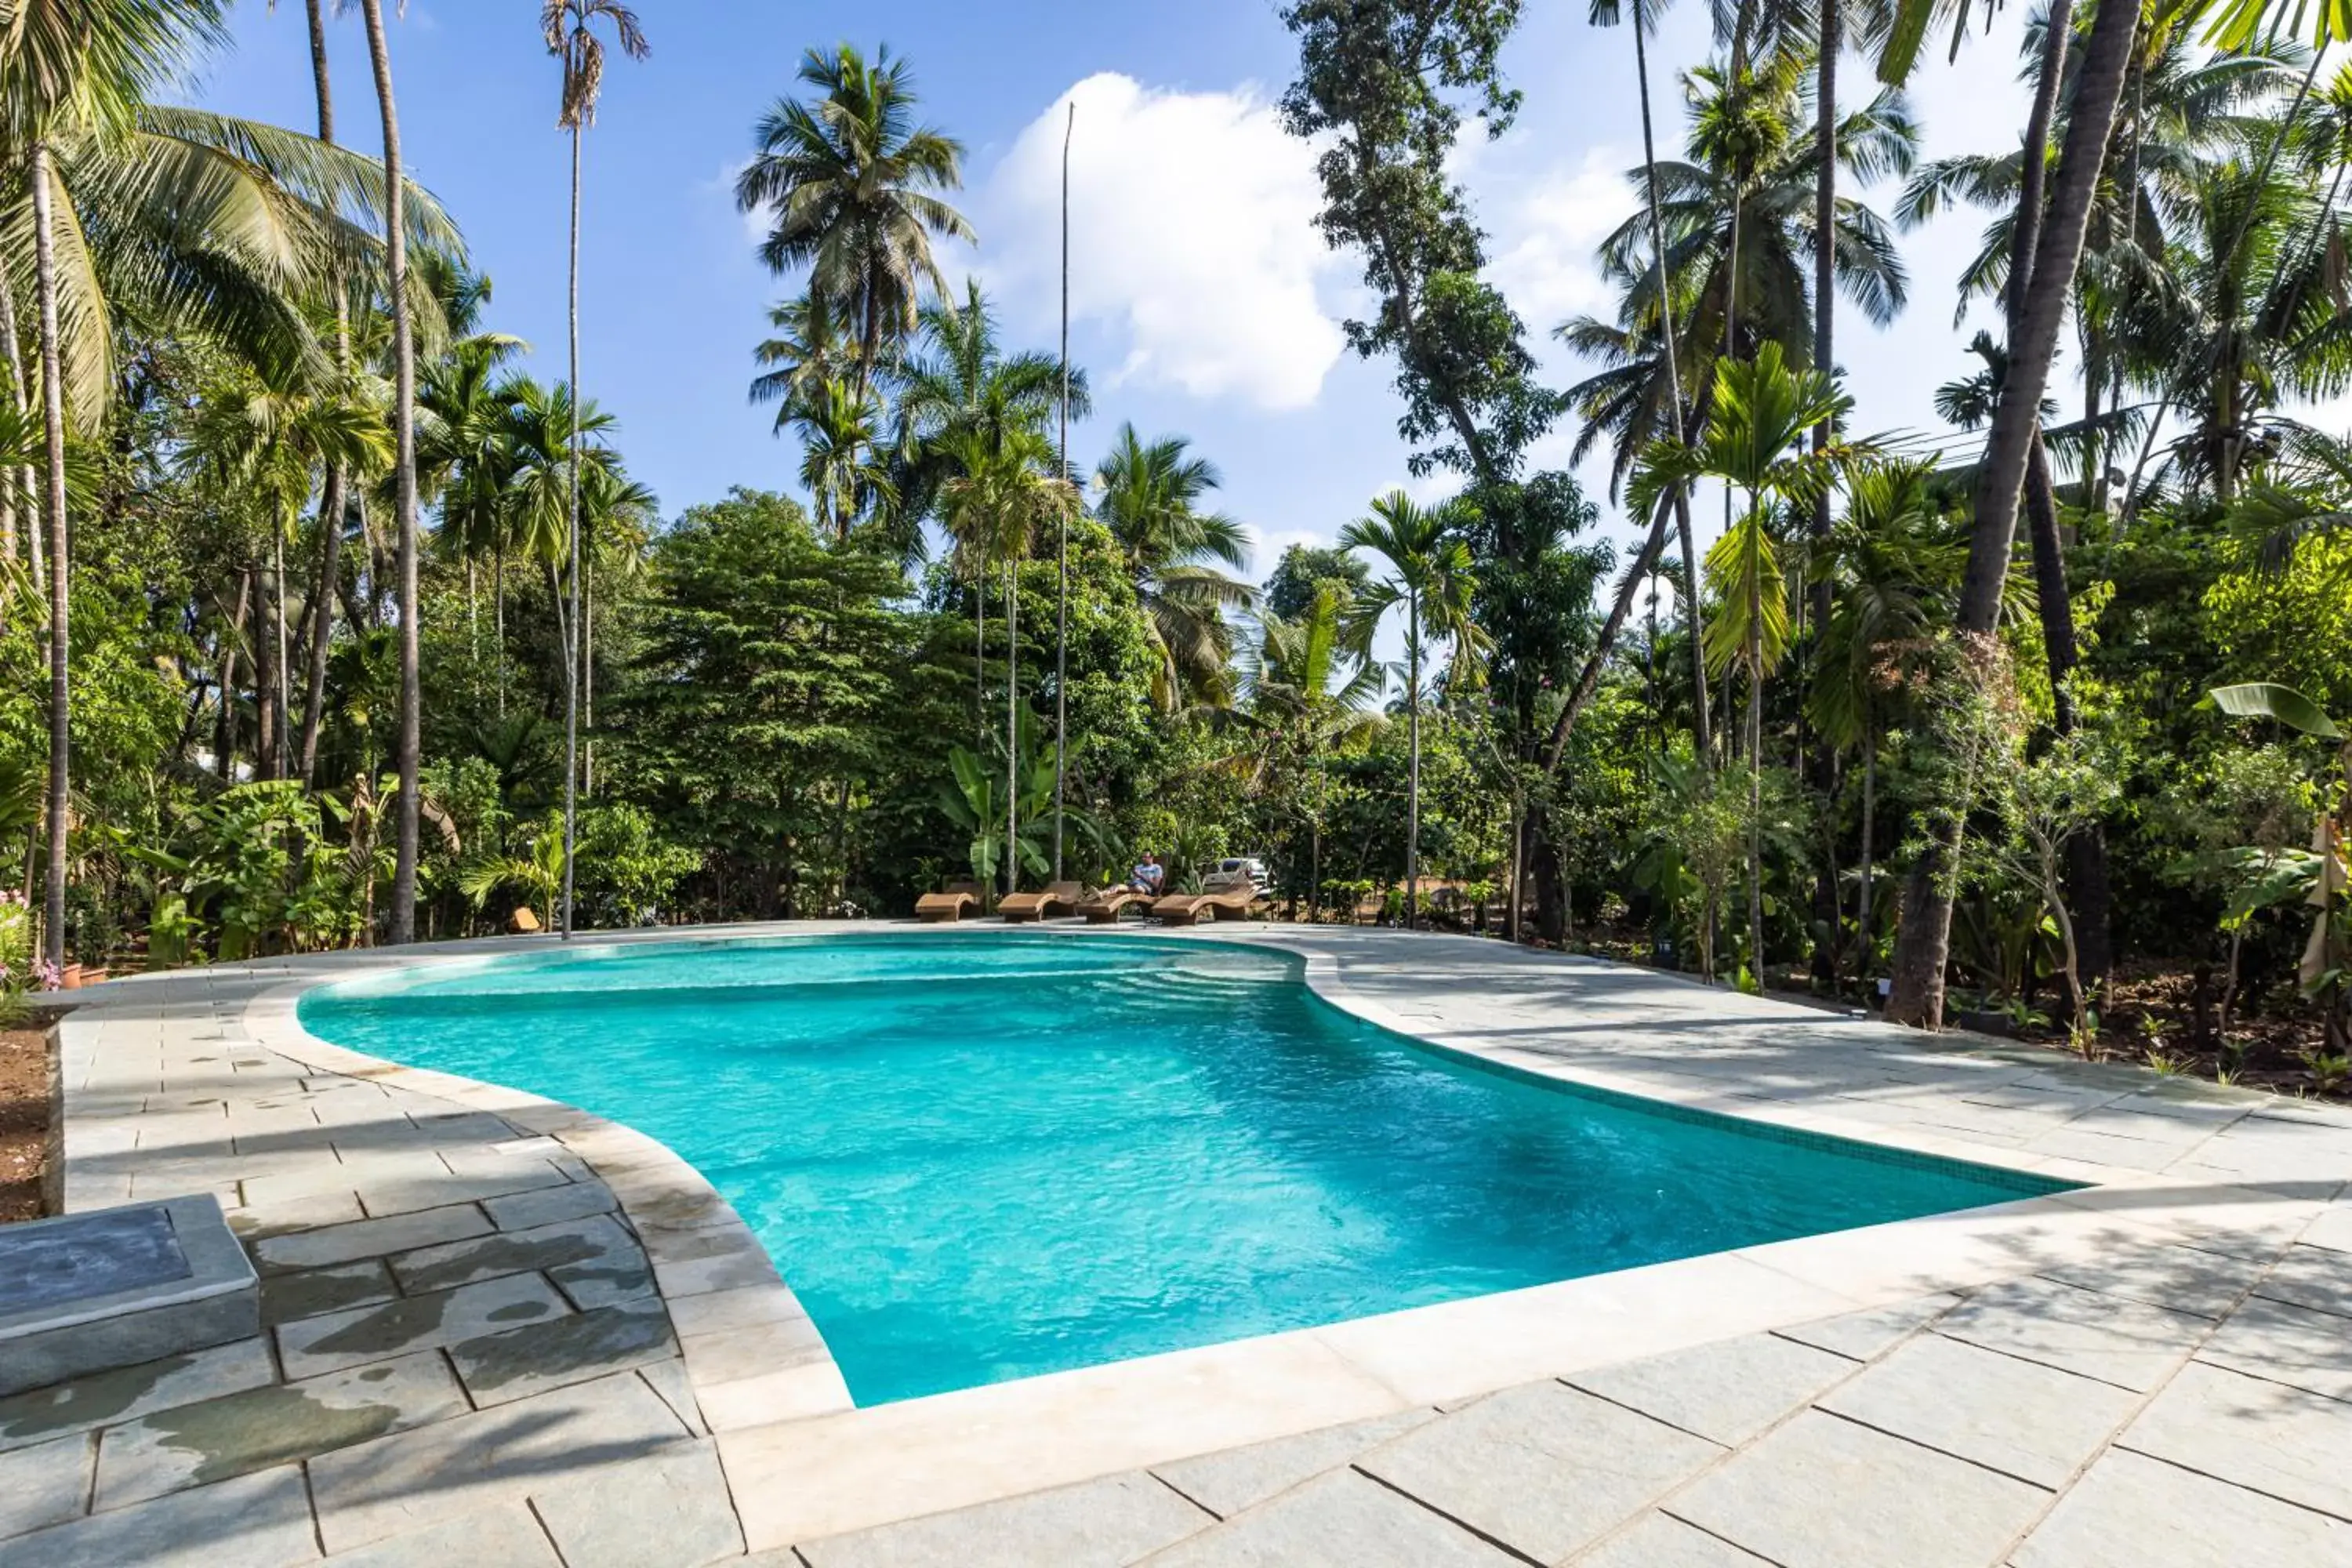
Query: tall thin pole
(1062, 549)
(571, 545)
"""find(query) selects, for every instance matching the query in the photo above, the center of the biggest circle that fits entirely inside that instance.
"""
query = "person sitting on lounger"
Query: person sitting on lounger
(1147, 875)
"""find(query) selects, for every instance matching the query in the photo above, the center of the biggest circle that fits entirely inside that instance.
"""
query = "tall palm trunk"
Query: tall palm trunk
(1413, 775)
(1756, 758)
(231, 637)
(265, 672)
(1861, 900)
(403, 422)
(1925, 948)
(1012, 723)
(277, 636)
(1702, 725)
(12, 354)
(1825, 128)
(53, 445)
(331, 504)
(572, 652)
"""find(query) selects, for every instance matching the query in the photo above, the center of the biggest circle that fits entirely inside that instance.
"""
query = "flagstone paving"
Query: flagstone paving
(498, 1333)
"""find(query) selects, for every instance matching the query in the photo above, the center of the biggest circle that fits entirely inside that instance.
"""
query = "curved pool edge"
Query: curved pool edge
(803, 1468)
(709, 1269)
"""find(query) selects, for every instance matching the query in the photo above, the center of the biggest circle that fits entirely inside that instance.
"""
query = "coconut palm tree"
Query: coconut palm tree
(1761, 412)
(1151, 499)
(994, 506)
(212, 225)
(569, 29)
(850, 181)
(841, 462)
(404, 424)
(1309, 698)
(267, 438)
(807, 352)
(1431, 578)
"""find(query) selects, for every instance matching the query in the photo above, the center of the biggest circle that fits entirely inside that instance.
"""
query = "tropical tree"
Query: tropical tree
(1309, 698)
(404, 424)
(995, 507)
(570, 29)
(1761, 412)
(849, 179)
(1151, 496)
(840, 459)
(806, 352)
(1431, 578)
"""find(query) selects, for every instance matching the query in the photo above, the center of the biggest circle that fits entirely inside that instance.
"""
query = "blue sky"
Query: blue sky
(1204, 304)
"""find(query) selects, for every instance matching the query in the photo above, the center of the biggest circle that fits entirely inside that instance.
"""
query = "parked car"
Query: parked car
(1232, 871)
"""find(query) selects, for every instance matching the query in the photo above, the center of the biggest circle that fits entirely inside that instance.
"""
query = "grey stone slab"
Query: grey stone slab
(1544, 1468)
(311, 1292)
(405, 1194)
(2316, 1276)
(130, 1391)
(596, 1239)
(2266, 1436)
(508, 1536)
(2020, 1417)
(2287, 1344)
(315, 1346)
(51, 1262)
(1821, 1493)
(2179, 1279)
(1726, 1391)
(2128, 1343)
(253, 1521)
(548, 1205)
(1343, 1520)
(45, 1484)
(668, 1379)
(1228, 1482)
(368, 1238)
(77, 1349)
(407, 1480)
(669, 1510)
(193, 1445)
(258, 1222)
(1863, 1335)
(1661, 1541)
(519, 1363)
(2131, 1512)
(1097, 1524)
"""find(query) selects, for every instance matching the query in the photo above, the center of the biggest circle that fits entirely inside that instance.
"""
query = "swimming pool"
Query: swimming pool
(982, 1155)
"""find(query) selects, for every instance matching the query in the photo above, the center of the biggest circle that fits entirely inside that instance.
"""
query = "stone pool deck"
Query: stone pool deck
(498, 1331)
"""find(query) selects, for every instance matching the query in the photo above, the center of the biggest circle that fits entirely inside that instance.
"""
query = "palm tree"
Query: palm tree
(1431, 578)
(806, 352)
(404, 424)
(1891, 566)
(849, 179)
(569, 26)
(465, 461)
(2038, 306)
(208, 225)
(1311, 699)
(994, 506)
(840, 440)
(1151, 495)
(964, 381)
(265, 438)
(1761, 412)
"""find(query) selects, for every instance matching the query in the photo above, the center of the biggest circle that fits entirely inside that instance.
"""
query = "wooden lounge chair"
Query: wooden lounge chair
(1222, 904)
(1105, 908)
(1058, 899)
(949, 904)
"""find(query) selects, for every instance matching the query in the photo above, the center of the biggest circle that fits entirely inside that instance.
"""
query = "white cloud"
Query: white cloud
(1545, 264)
(1192, 238)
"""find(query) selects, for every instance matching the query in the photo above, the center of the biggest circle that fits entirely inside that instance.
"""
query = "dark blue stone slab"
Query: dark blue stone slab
(50, 1263)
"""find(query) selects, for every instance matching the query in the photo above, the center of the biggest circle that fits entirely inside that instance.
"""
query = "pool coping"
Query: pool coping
(805, 1462)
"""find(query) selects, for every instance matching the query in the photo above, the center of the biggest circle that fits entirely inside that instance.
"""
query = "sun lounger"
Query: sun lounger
(1058, 899)
(1105, 908)
(950, 904)
(1191, 909)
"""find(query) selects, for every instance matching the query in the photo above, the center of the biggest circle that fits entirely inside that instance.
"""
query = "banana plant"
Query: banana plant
(2323, 880)
(973, 796)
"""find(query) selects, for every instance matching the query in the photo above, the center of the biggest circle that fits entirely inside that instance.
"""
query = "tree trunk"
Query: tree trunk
(1702, 727)
(224, 742)
(12, 354)
(404, 420)
(1863, 943)
(1825, 128)
(1011, 723)
(1756, 765)
(53, 435)
(572, 544)
(264, 675)
(331, 507)
(1622, 605)
(281, 684)
(2086, 852)
(1925, 946)
(1412, 784)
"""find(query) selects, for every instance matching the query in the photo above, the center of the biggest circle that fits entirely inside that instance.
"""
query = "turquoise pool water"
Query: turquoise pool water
(981, 1156)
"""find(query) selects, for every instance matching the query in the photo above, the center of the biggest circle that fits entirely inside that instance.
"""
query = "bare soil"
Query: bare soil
(24, 1102)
